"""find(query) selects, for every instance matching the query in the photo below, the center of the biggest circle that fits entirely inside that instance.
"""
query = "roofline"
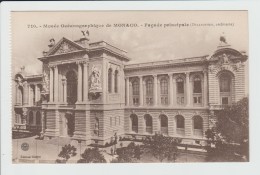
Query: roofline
(164, 62)
(108, 44)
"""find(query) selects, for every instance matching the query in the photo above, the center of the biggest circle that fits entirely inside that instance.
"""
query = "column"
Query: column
(155, 95)
(65, 91)
(188, 88)
(36, 93)
(127, 91)
(51, 84)
(79, 99)
(56, 84)
(205, 88)
(85, 81)
(141, 92)
(113, 82)
(171, 89)
(174, 98)
(42, 123)
(25, 94)
(29, 95)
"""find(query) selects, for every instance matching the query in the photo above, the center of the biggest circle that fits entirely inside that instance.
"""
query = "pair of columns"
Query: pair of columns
(82, 84)
(36, 94)
(172, 90)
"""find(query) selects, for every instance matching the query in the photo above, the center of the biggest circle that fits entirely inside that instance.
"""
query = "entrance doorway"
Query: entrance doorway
(70, 124)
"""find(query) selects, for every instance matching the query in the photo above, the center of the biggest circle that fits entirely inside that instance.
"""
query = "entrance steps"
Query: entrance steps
(61, 141)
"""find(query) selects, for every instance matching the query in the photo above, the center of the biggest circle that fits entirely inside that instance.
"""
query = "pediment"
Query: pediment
(65, 46)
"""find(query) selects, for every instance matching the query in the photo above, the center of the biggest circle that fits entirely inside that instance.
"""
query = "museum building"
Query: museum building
(88, 91)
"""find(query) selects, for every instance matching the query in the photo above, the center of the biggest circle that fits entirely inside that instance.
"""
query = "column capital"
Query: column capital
(205, 71)
(52, 65)
(187, 73)
(81, 62)
(127, 78)
(155, 76)
(85, 64)
(170, 74)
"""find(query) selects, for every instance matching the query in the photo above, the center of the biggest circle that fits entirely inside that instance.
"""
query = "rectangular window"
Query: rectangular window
(149, 101)
(180, 100)
(135, 101)
(197, 100)
(194, 99)
(225, 100)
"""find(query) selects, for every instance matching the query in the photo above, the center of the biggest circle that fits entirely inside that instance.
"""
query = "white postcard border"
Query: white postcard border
(7, 168)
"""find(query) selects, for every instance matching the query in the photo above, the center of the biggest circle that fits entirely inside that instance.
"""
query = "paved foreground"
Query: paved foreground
(46, 151)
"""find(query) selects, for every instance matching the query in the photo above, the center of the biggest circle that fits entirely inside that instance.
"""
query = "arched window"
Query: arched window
(30, 118)
(198, 125)
(180, 86)
(135, 86)
(197, 90)
(164, 124)
(180, 91)
(116, 81)
(20, 95)
(148, 124)
(71, 87)
(197, 85)
(225, 83)
(109, 80)
(180, 124)
(38, 118)
(149, 91)
(134, 121)
(164, 91)
(225, 86)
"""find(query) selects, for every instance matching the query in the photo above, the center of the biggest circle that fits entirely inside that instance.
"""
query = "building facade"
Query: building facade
(89, 92)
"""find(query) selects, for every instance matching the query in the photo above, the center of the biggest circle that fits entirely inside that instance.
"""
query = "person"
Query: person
(112, 151)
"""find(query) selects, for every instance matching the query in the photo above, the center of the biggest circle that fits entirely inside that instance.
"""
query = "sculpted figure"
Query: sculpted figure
(95, 79)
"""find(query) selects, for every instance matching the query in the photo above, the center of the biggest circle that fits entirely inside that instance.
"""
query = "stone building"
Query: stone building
(90, 92)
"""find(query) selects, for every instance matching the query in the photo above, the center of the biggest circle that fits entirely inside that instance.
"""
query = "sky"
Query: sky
(142, 43)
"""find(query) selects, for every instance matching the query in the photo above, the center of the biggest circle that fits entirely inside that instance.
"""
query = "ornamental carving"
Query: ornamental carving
(65, 48)
(19, 81)
(95, 80)
(224, 58)
(237, 65)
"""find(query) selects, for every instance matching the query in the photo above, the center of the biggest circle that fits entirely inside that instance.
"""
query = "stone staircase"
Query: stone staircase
(61, 141)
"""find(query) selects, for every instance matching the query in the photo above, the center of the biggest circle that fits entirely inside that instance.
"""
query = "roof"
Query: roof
(190, 60)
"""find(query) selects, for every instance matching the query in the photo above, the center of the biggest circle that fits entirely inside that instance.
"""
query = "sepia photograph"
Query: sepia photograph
(130, 87)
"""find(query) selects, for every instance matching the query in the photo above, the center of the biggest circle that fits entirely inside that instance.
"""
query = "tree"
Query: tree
(128, 154)
(67, 152)
(162, 147)
(231, 133)
(92, 155)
